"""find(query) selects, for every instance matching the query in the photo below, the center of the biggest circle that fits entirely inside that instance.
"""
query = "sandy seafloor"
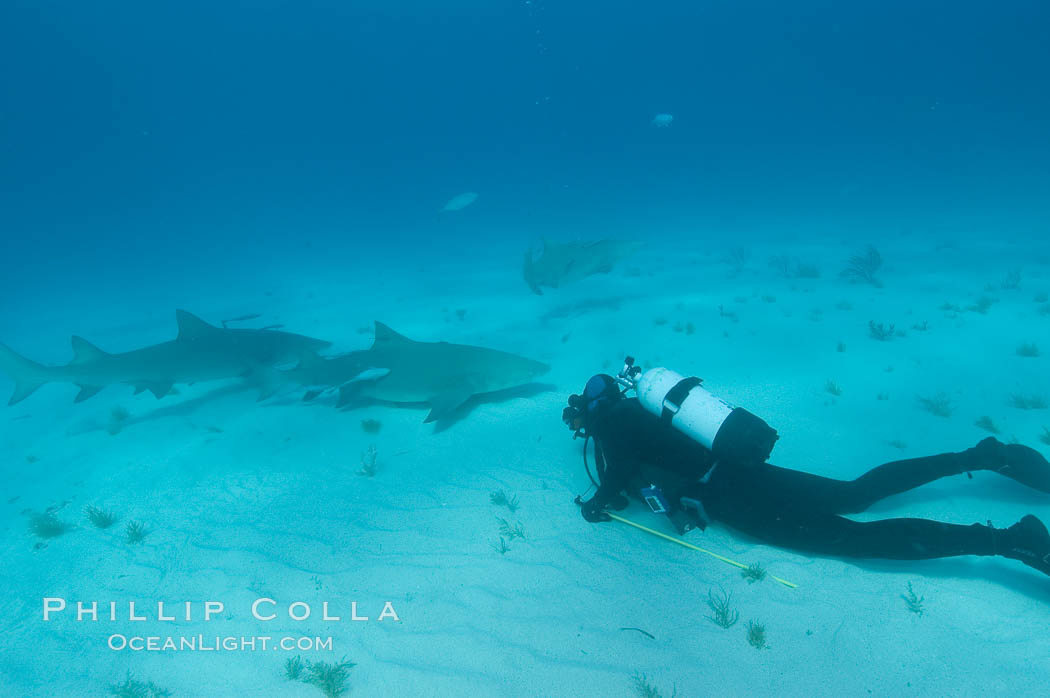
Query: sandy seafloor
(245, 499)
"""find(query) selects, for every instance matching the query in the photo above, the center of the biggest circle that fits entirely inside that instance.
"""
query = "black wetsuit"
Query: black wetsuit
(782, 507)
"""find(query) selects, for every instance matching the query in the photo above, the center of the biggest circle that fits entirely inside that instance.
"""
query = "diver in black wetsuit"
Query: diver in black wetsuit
(794, 509)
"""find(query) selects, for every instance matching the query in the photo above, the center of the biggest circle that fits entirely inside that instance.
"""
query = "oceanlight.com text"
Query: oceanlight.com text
(217, 643)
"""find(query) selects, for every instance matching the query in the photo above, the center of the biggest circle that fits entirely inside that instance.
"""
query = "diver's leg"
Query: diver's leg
(1015, 461)
(806, 490)
(775, 517)
(814, 531)
(1020, 463)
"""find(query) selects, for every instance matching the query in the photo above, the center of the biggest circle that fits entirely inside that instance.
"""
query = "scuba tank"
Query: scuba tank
(732, 434)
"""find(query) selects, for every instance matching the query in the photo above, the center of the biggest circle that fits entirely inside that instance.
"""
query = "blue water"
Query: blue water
(255, 157)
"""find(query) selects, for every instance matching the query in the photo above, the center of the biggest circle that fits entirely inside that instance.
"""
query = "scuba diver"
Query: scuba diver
(698, 459)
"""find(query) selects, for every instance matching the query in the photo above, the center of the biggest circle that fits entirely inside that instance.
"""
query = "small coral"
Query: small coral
(47, 525)
(499, 498)
(331, 678)
(939, 405)
(368, 461)
(985, 422)
(118, 417)
(133, 688)
(517, 531)
(501, 547)
(643, 688)
(982, 304)
(371, 426)
(724, 616)
(863, 267)
(294, 668)
(737, 258)
(754, 573)
(1028, 402)
(1045, 436)
(1012, 281)
(756, 635)
(1028, 350)
(879, 331)
(833, 388)
(100, 517)
(135, 531)
(913, 601)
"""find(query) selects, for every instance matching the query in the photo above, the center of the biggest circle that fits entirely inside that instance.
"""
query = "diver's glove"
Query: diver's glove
(593, 510)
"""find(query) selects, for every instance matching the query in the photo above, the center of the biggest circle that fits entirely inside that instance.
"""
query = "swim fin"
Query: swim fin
(1015, 461)
(1027, 541)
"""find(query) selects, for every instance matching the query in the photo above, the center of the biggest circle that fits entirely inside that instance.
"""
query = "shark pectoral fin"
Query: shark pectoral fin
(369, 374)
(268, 380)
(311, 395)
(23, 389)
(86, 391)
(444, 404)
(346, 395)
(158, 388)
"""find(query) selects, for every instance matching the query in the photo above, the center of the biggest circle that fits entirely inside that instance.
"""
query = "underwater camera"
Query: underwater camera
(731, 433)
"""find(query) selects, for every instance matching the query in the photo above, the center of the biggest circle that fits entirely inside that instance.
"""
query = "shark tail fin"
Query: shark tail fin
(27, 375)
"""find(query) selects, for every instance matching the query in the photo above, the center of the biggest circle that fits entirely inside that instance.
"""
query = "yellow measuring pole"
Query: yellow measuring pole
(681, 542)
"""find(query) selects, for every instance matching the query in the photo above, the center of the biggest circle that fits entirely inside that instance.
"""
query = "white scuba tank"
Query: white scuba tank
(731, 433)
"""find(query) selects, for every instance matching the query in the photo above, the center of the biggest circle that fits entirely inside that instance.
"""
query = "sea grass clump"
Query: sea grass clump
(832, 388)
(1045, 436)
(100, 518)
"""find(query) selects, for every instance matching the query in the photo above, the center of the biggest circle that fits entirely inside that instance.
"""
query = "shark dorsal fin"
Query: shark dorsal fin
(84, 350)
(191, 326)
(385, 335)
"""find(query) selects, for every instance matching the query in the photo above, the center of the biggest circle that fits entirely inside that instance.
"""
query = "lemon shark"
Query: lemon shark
(200, 352)
(562, 263)
(402, 370)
